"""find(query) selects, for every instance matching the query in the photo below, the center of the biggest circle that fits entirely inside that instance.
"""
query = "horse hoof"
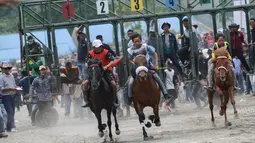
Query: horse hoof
(101, 134)
(228, 124)
(151, 117)
(104, 126)
(117, 132)
(111, 140)
(158, 124)
(147, 138)
(148, 124)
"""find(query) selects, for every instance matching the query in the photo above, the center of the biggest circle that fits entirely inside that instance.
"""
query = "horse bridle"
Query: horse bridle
(96, 65)
(222, 67)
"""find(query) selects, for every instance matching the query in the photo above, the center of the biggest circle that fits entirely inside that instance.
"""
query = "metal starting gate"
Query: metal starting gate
(50, 15)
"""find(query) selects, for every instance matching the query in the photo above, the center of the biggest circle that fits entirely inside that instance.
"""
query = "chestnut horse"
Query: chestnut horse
(224, 84)
(145, 92)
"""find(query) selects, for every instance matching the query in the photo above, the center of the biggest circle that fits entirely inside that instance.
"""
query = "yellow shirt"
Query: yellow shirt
(216, 47)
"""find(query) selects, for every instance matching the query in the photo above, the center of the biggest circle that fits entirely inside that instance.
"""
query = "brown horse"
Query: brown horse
(145, 93)
(223, 83)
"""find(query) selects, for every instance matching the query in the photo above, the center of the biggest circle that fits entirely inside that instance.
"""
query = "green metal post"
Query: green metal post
(87, 33)
(146, 6)
(124, 48)
(55, 54)
(193, 55)
(159, 48)
(214, 24)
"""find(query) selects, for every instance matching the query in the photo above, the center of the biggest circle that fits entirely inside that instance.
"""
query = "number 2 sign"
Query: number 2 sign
(171, 3)
(102, 7)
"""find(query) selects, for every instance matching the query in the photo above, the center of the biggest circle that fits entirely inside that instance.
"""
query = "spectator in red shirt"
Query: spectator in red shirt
(237, 40)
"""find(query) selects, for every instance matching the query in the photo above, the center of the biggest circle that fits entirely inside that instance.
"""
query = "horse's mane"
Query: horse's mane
(94, 62)
(140, 58)
(221, 52)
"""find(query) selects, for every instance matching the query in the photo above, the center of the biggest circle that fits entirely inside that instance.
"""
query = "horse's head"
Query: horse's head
(222, 64)
(95, 71)
(141, 70)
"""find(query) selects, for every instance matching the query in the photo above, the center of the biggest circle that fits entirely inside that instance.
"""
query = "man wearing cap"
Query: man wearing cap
(184, 53)
(41, 89)
(237, 40)
(106, 46)
(31, 47)
(107, 60)
(152, 37)
(8, 90)
(170, 46)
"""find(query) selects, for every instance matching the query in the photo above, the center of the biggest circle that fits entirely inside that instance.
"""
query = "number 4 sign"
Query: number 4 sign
(171, 3)
(102, 7)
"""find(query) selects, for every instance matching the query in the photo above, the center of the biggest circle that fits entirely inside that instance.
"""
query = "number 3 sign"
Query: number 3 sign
(136, 5)
(171, 3)
(102, 7)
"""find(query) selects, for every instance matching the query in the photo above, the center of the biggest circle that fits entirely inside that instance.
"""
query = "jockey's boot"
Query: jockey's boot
(210, 78)
(115, 99)
(86, 99)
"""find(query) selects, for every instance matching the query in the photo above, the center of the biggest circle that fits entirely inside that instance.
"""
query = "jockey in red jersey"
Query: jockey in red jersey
(107, 60)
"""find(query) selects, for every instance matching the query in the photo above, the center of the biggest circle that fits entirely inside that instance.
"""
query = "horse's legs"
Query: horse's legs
(157, 119)
(117, 130)
(226, 98)
(101, 127)
(210, 101)
(232, 99)
(109, 123)
(141, 116)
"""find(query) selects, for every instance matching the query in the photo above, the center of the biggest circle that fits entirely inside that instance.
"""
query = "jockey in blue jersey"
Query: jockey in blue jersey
(152, 62)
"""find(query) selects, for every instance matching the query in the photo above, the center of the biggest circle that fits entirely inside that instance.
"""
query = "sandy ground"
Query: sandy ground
(189, 126)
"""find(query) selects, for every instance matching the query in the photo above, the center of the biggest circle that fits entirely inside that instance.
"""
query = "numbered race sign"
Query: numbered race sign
(136, 5)
(102, 7)
(171, 3)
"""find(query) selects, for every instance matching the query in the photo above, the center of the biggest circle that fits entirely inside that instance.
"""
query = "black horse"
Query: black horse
(101, 97)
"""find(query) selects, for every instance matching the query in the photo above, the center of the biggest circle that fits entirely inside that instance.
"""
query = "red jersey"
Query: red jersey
(103, 57)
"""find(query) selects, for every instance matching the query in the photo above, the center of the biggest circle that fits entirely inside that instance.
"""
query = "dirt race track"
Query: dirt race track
(189, 126)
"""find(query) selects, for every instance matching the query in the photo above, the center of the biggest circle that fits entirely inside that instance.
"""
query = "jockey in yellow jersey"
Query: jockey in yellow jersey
(221, 43)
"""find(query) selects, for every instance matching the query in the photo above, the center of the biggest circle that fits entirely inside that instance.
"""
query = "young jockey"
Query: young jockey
(152, 59)
(211, 63)
(107, 60)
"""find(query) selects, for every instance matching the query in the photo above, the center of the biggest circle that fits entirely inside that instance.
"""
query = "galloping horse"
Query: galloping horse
(145, 93)
(101, 97)
(223, 82)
